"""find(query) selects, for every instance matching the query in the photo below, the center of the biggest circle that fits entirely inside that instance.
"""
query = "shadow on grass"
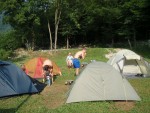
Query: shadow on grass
(14, 110)
(11, 110)
(39, 86)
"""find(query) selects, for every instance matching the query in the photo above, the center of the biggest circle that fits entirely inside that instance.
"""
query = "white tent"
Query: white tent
(99, 81)
(129, 63)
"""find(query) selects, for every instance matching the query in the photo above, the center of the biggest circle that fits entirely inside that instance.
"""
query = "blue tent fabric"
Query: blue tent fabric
(13, 81)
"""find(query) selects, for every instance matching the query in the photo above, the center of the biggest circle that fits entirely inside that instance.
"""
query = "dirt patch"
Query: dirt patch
(54, 95)
(126, 106)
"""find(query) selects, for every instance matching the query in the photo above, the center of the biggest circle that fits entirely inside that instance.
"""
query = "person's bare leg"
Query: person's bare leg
(77, 71)
(60, 73)
(68, 70)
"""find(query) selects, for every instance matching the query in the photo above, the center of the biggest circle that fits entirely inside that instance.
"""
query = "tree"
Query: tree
(58, 4)
(132, 16)
(22, 16)
(47, 9)
(70, 25)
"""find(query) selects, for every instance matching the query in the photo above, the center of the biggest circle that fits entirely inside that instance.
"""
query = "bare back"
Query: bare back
(80, 54)
(47, 62)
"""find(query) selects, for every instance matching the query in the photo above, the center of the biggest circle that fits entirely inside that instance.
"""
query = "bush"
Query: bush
(9, 40)
(4, 55)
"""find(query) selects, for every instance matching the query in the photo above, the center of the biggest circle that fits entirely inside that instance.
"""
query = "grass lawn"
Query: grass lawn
(52, 99)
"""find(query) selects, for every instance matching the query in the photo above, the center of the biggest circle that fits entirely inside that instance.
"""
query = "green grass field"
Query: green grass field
(52, 99)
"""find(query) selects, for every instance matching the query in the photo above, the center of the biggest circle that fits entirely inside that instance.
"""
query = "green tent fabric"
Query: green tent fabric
(129, 63)
(99, 81)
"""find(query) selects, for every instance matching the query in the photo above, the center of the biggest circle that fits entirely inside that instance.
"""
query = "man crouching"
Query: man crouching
(48, 72)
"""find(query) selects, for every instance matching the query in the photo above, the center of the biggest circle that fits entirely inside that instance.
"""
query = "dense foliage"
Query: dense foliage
(40, 23)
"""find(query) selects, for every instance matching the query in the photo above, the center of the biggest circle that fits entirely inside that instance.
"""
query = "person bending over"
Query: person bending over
(49, 67)
(76, 63)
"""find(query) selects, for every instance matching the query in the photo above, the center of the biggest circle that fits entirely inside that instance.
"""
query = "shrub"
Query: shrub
(9, 40)
(4, 55)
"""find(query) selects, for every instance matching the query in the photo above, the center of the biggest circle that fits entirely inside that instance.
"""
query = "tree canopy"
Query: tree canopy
(58, 23)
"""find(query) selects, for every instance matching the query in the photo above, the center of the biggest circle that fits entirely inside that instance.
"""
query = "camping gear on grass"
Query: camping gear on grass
(99, 81)
(13, 80)
(68, 82)
(34, 67)
(130, 64)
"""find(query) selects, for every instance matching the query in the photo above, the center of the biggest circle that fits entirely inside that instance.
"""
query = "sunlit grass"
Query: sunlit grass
(36, 102)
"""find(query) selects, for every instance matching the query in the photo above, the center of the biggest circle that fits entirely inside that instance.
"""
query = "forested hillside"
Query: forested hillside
(52, 24)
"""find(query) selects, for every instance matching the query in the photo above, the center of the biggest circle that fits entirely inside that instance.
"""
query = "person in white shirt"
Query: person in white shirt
(69, 60)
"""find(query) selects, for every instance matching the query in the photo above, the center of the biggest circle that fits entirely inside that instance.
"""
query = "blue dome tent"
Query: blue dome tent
(13, 81)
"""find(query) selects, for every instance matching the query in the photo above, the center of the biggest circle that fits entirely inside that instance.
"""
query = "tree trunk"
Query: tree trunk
(129, 43)
(33, 40)
(56, 30)
(134, 37)
(67, 42)
(112, 42)
(57, 19)
(50, 36)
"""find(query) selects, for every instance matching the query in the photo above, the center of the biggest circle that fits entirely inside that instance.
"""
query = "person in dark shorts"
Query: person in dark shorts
(76, 62)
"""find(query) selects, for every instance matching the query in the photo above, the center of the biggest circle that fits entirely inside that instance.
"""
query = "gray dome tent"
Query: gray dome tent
(13, 81)
(99, 81)
(129, 63)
